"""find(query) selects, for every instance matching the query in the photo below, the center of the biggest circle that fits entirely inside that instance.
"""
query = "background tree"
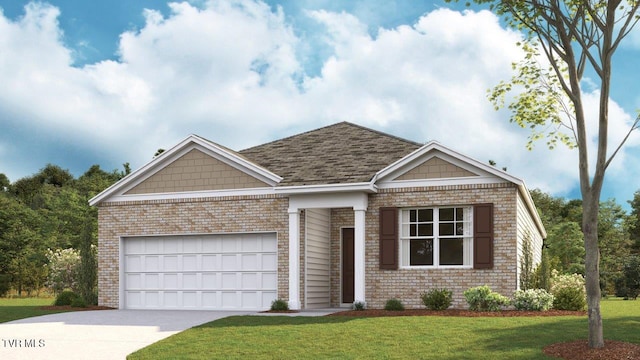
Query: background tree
(574, 37)
(633, 223)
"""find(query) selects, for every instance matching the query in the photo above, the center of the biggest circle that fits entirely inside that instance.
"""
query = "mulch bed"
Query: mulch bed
(579, 350)
(457, 312)
(69, 308)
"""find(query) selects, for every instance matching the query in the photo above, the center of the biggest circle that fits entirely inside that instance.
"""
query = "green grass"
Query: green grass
(251, 337)
(20, 308)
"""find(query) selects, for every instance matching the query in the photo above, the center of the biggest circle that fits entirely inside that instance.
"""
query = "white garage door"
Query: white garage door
(217, 272)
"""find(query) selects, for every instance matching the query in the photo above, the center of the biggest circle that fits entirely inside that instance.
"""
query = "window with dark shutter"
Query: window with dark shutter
(483, 236)
(389, 238)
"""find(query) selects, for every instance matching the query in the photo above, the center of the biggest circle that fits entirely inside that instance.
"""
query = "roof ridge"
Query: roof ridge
(332, 125)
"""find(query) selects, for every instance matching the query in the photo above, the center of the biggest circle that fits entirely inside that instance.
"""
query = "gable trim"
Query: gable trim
(167, 157)
(191, 195)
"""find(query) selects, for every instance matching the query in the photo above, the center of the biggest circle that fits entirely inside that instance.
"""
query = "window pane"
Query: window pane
(413, 230)
(460, 229)
(459, 214)
(446, 214)
(421, 252)
(425, 230)
(412, 215)
(425, 215)
(446, 229)
(451, 252)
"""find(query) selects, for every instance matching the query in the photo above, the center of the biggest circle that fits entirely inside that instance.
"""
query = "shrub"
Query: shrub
(481, 298)
(359, 305)
(279, 305)
(78, 302)
(532, 300)
(63, 269)
(569, 298)
(394, 305)
(65, 298)
(569, 291)
(437, 299)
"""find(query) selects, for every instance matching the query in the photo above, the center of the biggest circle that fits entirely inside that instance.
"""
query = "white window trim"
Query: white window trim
(436, 244)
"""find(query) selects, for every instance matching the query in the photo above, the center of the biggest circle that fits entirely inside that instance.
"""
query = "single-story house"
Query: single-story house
(325, 218)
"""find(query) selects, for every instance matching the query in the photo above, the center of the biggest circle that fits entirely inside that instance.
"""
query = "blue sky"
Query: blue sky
(110, 82)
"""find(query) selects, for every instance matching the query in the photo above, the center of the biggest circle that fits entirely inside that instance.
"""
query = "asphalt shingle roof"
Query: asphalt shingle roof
(342, 153)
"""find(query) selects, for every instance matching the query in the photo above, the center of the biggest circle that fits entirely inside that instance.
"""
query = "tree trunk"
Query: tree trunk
(592, 271)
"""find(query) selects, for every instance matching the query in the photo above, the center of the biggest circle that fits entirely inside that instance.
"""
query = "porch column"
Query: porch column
(359, 255)
(294, 259)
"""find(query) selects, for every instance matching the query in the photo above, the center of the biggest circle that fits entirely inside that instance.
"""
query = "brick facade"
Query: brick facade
(269, 214)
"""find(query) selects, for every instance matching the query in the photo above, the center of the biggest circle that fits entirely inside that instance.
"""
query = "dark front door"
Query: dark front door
(347, 265)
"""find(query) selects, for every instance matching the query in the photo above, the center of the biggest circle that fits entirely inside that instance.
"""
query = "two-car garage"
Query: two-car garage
(199, 272)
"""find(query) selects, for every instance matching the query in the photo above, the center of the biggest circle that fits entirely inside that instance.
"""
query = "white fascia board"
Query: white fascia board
(440, 182)
(357, 200)
(436, 146)
(531, 207)
(366, 187)
(191, 195)
(189, 143)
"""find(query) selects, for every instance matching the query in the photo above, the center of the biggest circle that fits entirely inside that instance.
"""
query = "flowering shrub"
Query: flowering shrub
(63, 269)
(481, 298)
(532, 300)
(569, 291)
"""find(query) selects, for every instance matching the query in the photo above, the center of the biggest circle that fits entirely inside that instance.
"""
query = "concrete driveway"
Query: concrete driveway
(101, 334)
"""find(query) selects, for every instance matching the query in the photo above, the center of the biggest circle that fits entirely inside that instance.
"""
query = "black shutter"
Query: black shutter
(483, 236)
(389, 238)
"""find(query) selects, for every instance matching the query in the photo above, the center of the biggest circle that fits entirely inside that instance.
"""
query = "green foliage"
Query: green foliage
(628, 283)
(63, 269)
(527, 276)
(437, 299)
(569, 291)
(542, 273)
(279, 305)
(5, 284)
(532, 300)
(78, 302)
(66, 297)
(359, 305)
(394, 305)
(482, 298)
(88, 267)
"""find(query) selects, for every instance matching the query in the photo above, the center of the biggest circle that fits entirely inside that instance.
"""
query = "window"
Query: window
(437, 237)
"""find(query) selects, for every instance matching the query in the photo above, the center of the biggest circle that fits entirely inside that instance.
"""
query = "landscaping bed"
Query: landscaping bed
(457, 312)
(71, 308)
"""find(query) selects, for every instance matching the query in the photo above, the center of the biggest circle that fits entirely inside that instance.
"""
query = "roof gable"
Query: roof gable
(434, 162)
(171, 169)
(196, 171)
(342, 153)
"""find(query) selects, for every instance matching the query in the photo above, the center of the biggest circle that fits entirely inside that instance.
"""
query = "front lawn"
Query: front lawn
(281, 337)
(14, 309)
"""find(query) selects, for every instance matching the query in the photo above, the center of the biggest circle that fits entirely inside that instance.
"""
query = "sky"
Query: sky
(110, 82)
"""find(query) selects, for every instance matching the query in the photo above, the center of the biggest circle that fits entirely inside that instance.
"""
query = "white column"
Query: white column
(294, 259)
(359, 255)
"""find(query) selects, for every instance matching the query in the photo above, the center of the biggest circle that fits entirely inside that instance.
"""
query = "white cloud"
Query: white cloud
(228, 71)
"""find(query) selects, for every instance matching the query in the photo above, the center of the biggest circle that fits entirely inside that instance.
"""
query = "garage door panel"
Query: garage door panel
(203, 272)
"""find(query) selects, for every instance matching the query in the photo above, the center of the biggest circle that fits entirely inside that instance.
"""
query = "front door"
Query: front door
(347, 266)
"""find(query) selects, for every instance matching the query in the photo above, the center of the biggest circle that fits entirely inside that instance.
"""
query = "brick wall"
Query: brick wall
(408, 284)
(199, 216)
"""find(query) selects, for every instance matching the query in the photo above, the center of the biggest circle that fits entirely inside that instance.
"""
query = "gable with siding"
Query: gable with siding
(435, 168)
(196, 171)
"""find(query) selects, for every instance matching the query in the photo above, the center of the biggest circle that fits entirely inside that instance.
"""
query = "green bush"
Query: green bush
(65, 298)
(569, 298)
(627, 285)
(437, 299)
(359, 306)
(569, 291)
(532, 300)
(481, 298)
(394, 305)
(279, 305)
(78, 302)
